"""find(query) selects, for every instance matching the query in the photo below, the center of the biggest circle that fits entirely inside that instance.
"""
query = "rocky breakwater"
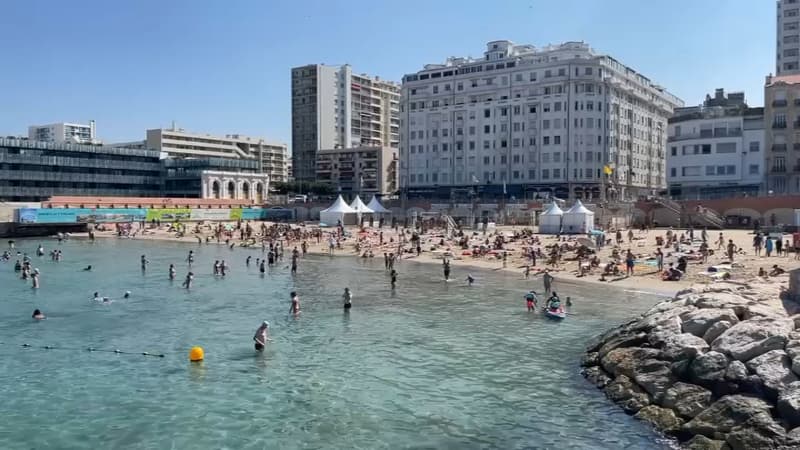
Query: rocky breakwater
(716, 367)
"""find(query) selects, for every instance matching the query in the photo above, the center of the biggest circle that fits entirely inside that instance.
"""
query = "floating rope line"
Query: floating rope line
(91, 349)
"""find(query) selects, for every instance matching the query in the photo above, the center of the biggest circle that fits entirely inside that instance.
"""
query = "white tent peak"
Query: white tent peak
(578, 208)
(376, 206)
(359, 206)
(553, 210)
(339, 206)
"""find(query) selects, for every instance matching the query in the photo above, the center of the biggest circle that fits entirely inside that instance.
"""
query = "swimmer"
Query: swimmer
(40, 250)
(87, 268)
(348, 298)
(171, 272)
(145, 262)
(190, 258)
(97, 297)
(295, 308)
(394, 278)
(262, 268)
(569, 301)
(247, 261)
(17, 266)
(35, 278)
(470, 280)
(38, 315)
(127, 294)
(187, 283)
(262, 336)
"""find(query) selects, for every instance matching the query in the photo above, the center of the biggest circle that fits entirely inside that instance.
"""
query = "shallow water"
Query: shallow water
(432, 365)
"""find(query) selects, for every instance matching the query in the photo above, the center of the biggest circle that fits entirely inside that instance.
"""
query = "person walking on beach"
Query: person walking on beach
(262, 336)
(187, 283)
(172, 272)
(548, 281)
(779, 246)
(768, 246)
(704, 234)
(527, 272)
(757, 243)
(295, 308)
(630, 235)
(720, 241)
(659, 260)
(629, 262)
(348, 299)
(732, 248)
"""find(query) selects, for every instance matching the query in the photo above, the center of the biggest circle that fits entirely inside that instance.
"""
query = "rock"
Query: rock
(736, 372)
(597, 376)
(725, 414)
(758, 431)
(621, 361)
(624, 391)
(662, 419)
(701, 442)
(683, 346)
(654, 376)
(762, 310)
(749, 339)
(793, 438)
(775, 370)
(793, 348)
(724, 300)
(698, 322)
(708, 368)
(680, 368)
(714, 331)
(796, 365)
(623, 341)
(590, 359)
(789, 404)
(688, 400)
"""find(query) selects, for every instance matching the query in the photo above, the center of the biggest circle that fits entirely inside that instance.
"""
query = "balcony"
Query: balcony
(778, 147)
(778, 125)
(778, 169)
(779, 103)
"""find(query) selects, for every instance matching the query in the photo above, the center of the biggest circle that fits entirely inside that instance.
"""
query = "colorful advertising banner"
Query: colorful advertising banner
(81, 215)
(169, 214)
(210, 214)
(124, 215)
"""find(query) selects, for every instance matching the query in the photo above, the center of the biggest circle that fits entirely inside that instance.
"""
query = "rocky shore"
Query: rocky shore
(716, 367)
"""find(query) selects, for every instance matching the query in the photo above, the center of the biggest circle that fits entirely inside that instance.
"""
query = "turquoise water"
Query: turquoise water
(432, 365)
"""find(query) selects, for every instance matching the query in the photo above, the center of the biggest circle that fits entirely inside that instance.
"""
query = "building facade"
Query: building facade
(787, 56)
(524, 122)
(782, 125)
(34, 171)
(235, 185)
(716, 150)
(271, 157)
(187, 177)
(334, 108)
(64, 133)
(361, 170)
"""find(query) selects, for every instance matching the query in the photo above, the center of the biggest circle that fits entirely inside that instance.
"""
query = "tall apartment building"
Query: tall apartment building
(334, 108)
(272, 157)
(64, 132)
(782, 122)
(359, 170)
(787, 57)
(716, 150)
(523, 121)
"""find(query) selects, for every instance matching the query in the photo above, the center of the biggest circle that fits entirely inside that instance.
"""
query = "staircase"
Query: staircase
(707, 217)
(450, 225)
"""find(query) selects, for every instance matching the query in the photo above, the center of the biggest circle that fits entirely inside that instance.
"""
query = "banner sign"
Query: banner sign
(169, 214)
(81, 215)
(125, 215)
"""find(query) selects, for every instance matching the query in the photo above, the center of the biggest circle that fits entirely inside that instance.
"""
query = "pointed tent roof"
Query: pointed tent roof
(339, 206)
(359, 206)
(578, 208)
(376, 206)
(553, 210)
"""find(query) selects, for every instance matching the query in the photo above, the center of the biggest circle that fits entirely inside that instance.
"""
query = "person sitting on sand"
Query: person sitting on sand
(672, 274)
(776, 271)
(38, 315)
(762, 272)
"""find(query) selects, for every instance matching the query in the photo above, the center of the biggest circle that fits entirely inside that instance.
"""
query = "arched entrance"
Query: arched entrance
(231, 190)
(246, 190)
(215, 189)
(259, 193)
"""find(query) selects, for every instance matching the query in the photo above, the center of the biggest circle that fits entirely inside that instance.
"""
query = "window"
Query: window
(587, 71)
(556, 157)
(517, 110)
(459, 131)
(532, 110)
(472, 131)
(472, 145)
(486, 160)
(556, 173)
(791, 52)
(706, 148)
(531, 174)
(486, 145)
(515, 142)
(518, 77)
(791, 39)
(546, 124)
(556, 140)
(673, 172)
(711, 170)
(755, 146)
(503, 144)
(445, 132)
(435, 104)
(726, 147)
(487, 113)
(503, 112)
(459, 145)
(532, 76)
(546, 140)
(434, 133)
(753, 170)
(487, 129)
(435, 89)
(690, 171)
(674, 151)
(791, 26)
(790, 12)
(444, 147)
(474, 83)
(546, 107)
(561, 72)
(503, 127)
(545, 174)
(545, 157)
(547, 74)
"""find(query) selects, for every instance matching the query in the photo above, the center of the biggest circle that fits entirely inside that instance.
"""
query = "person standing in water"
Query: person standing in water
(222, 268)
(247, 261)
(262, 336)
(530, 300)
(470, 280)
(446, 269)
(145, 262)
(548, 281)
(394, 278)
(262, 267)
(294, 264)
(348, 298)
(190, 258)
(187, 283)
(40, 250)
(35, 278)
(295, 308)
(172, 272)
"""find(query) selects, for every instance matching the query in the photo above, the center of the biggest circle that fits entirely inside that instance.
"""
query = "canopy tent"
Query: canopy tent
(359, 207)
(376, 206)
(550, 220)
(338, 211)
(578, 219)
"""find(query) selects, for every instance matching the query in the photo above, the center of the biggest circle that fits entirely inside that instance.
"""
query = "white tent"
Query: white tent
(376, 206)
(339, 210)
(359, 207)
(578, 219)
(550, 220)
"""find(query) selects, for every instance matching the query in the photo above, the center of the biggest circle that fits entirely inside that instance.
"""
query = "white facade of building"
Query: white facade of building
(235, 185)
(178, 143)
(64, 133)
(715, 153)
(334, 108)
(525, 121)
(787, 60)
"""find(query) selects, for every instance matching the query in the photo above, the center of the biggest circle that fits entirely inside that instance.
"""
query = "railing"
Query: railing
(778, 169)
(707, 134)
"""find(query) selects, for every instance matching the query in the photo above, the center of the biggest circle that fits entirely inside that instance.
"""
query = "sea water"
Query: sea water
(428, 365)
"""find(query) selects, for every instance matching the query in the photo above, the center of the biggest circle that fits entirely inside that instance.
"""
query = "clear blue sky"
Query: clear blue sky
(223, 67)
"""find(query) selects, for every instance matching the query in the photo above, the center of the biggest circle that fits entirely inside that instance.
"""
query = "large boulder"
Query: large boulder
(622, 361)
(749, 339)
(736, 372)
(701, 442)
(723, 300)
(688, 400)
(654, 376)
(775, 370)
(726, 413)
(683, 346)
(708, 368)
(698, 322)
(627, 394)
(757, 432)
(716, 330)
(789, 404)
(662, 419)
(624, 340)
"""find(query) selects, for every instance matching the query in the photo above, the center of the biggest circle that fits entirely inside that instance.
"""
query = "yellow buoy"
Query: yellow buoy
(196, 354)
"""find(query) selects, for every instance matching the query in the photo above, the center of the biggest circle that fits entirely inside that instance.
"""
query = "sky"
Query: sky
(223, 67)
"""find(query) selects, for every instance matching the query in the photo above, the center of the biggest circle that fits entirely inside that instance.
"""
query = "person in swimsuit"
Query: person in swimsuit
(187, 283)
(394, 278)
(530, 300)
(262, 268)
(144, 262)
(262, 336)
(348, 298)
(38, 315)
(470, 280)
(171, 272)
(295, 308)
(554, 303)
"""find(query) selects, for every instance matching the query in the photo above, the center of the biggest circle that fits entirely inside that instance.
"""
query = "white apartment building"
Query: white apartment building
(525, 121)
(64, 133)
(363, 171)
(179, 143)
(334, 108)
(787, 57)
(716, 150)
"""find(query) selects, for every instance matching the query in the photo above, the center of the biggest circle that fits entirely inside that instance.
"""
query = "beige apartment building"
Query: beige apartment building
(782, 134)
(361, 170)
